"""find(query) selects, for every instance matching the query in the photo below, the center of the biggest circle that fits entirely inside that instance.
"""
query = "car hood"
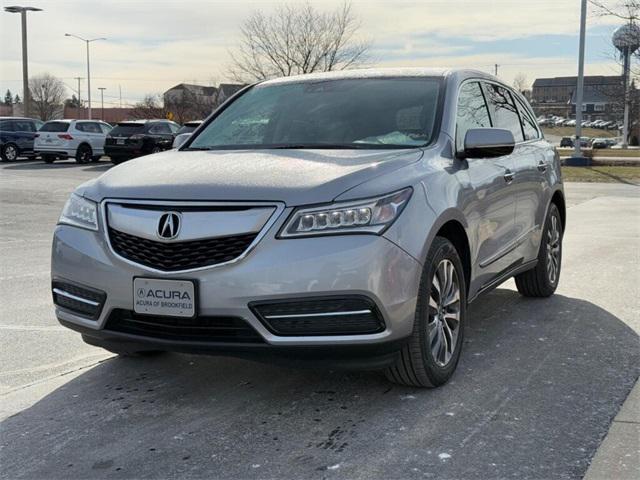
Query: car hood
(295, 177)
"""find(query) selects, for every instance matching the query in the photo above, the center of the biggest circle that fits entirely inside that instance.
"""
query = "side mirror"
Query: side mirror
(180, 139)
(488, 143)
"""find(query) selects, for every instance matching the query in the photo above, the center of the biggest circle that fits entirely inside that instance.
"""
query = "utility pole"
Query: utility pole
(26, 98)
(580, 89)
(496, 69)
(102, 89)
(120, 89)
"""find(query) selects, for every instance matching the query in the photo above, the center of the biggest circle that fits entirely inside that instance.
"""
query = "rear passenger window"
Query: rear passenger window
(472, 112)
(528, 123)
(23, 126)
(160, 128)
(6, 126)
(503, 110)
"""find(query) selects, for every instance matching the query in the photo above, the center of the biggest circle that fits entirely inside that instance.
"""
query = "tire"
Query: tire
(117, 160)
(96, 158)
(84, 154)
(430, 363)
(49, 158)
(156, 149)
(9, 153)
(542, 280)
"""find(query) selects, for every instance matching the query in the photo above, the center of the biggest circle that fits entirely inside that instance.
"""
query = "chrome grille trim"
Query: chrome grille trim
(172, 204)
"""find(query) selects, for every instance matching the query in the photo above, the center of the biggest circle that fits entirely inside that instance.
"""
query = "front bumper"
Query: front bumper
(364, 265)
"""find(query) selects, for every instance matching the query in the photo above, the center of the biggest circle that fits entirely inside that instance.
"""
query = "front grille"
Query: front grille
(349, 315)
(198, 329)
(175, 256)
(83, 301)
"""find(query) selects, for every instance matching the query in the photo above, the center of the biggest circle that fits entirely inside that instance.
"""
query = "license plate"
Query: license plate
(169, 298)
(120, 141)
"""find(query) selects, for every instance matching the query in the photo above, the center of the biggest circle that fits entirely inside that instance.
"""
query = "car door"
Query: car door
(533, 160)
(25, 133)
(491, 211)
(96, 137)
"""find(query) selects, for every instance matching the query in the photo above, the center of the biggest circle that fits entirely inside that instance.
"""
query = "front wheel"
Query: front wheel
(431, 354)
(9, 153)
(542, 280)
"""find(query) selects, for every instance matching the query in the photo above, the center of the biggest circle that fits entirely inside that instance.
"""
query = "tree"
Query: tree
(187, 105)
(149, 107)
(47, 94)
(520, 82)
(297, 39)
(8, 98)
(17, 99)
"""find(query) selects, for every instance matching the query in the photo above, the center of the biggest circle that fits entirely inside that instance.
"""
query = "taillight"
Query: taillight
(65, 136)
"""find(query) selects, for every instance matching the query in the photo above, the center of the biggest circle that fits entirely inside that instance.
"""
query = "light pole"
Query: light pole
(26, 98)
(102, 89)
(583, 27)
(87, 41)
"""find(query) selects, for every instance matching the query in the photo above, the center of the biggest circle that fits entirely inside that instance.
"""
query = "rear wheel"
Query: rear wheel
(96, 158)
(156, 149)
(84, 154)
(542, 280)
(431, 355)
(9, 152)
(117, 160)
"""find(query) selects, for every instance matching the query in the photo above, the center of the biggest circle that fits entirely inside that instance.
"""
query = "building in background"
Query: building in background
(603, 97)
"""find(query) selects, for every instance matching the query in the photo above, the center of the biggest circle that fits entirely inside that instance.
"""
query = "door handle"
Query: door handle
(508, 176)
(542, 166)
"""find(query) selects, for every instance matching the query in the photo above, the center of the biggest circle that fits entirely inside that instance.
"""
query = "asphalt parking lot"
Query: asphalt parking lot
(536, 390)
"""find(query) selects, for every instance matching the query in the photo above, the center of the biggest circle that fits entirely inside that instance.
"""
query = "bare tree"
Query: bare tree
(521, 83)
(189, 106)
(47, 95)
(297, 39)
(149, 107)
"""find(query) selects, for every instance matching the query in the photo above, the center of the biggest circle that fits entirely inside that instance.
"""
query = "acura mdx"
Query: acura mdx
(340, 218)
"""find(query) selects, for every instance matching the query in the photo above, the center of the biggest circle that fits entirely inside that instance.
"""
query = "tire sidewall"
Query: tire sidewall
(442, 250)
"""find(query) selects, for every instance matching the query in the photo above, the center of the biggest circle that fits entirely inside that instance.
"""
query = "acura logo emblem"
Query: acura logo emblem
(169, 225)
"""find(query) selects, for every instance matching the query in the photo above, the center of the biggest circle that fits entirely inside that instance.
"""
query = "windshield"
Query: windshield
(347, 113)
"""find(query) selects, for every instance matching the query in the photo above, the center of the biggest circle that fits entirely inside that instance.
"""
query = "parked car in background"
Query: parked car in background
(311, 220)
(600, 143)
(185, 132)
(136, 138)
(566, 142)
(16, 137)
(79, 139)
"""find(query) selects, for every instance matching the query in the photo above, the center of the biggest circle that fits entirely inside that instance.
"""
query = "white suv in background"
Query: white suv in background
(79, 139)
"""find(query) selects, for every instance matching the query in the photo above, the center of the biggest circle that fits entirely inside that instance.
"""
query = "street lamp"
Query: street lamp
(87, 41)
(26, 98)
(580, 87)
(102, 89)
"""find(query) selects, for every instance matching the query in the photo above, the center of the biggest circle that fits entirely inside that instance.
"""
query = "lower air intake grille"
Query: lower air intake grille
(83, 301)
(352, 315)
(175, 256)
(198, 329)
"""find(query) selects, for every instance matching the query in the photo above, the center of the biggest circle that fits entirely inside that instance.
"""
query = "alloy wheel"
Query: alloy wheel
(10, 152)
(553, 249)
(443, 325)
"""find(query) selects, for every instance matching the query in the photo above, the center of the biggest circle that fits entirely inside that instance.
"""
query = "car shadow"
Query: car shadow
(537, 387)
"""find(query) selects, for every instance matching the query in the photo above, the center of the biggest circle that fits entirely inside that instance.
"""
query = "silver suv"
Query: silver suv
(346, 218)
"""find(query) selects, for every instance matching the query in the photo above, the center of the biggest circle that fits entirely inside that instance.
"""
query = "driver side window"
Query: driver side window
(472, 112)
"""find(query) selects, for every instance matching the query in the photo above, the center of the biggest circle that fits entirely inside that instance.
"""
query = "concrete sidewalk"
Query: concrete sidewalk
(619, 454)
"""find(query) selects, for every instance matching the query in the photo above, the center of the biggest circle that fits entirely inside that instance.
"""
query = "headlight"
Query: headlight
(80, 212)
(371, 215)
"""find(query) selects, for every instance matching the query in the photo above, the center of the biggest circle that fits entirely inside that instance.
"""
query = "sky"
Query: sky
(153, 45)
